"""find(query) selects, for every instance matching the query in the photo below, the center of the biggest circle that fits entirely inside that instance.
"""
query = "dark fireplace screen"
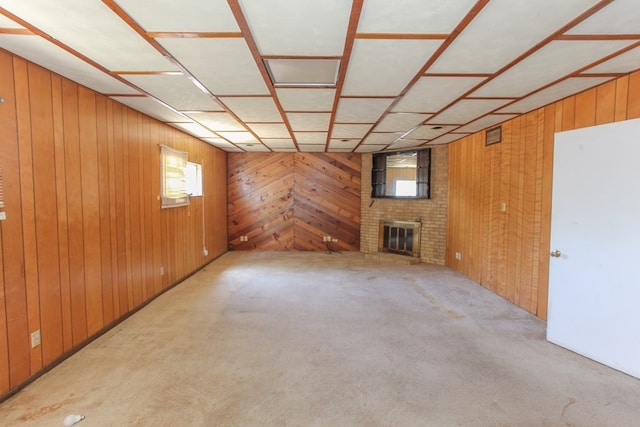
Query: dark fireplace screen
(399, 237)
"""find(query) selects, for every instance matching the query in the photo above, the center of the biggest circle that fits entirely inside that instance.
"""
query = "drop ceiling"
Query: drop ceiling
(328, 75)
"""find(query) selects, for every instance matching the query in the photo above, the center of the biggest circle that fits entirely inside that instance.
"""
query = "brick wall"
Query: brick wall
(431, 212)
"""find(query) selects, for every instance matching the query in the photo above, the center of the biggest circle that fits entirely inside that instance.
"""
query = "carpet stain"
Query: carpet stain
(569, 403)
(451, 313)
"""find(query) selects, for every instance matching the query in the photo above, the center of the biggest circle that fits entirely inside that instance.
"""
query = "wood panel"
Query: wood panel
(514, 246)
(85, 241)
(284, 201)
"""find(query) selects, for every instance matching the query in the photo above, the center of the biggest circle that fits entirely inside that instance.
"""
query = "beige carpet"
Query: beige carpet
(316, 339)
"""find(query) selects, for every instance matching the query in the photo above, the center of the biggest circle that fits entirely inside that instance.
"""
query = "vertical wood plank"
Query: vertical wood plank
(622, 98)
(605, 103)
(585, 108)
(633, 101)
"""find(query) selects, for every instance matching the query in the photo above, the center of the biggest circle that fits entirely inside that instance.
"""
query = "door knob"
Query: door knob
(556, 253)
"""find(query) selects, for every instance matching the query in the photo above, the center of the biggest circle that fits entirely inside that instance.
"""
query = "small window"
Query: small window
(173, 164)
(403, 174)
(193, 175)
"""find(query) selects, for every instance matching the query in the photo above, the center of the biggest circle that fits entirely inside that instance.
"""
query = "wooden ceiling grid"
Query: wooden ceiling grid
(430, 92)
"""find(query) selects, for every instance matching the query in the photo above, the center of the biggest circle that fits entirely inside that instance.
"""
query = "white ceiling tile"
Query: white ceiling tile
(176, 90)
(217, 121)
(194, 129)
(8, 23)
(381, 138)
(503, 30)
(293, 27)
(361, 110)
(349, 131)
(467, 110)
(278, 144)
(239, 137)
(625, 63)
(369, 148)
(270, 130)
(406, 143)
(337, 144)
(233, 72)
(554, 61)
(309, 121)
(311, 137)
(255, 147)
(303, 71)
(253, 109)
(92, 29)
(312, 148)
(234, 149)
(374, 67)
(625, 14)
(50, 56)
(430, 131)
(431, 94)
(150, 107)
(339, 150)
(306, 99)
(219, 142)
(553, 93)
(445, 139)
(181, 16)
(413, 16)
(485, 122)
(400, 122)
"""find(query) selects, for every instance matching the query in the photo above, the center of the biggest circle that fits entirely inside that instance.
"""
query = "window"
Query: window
(193, 175)
(401, 175)
(173, 178)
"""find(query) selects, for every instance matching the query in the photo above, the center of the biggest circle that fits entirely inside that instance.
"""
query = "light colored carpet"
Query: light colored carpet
(316, 339)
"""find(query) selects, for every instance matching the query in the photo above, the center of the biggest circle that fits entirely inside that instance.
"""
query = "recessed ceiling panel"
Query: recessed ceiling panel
(406, 143)
(430, 131)
(554, 93)
(343, 144)
(270, 130)
(183, 15)
(349, 131)
(303, 72)
(311, 137)
(467, 110)
(8, 23)
(239, 137)
(92, 29)
(385, 67)
(503, 30)
(50, 56)
(306, 99)
(554, 61)
(361, 110)
(309, 121)
(312, 148)
(224, 65)
(369, 148)
(445, 139)
(431, 94)
(381, 138)
(302, 28)
(278, 144)
(215, 121)
(255, 147)
(625, 63)
(400, 122)
(194, 129)
(176, 90)
(623, 14)
(253, 109)
(412, 16)
(150, 107)
(485, 122)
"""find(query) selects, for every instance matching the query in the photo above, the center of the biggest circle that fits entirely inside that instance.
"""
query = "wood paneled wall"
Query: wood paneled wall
(85, 241)
(289, 201)
(508, 251)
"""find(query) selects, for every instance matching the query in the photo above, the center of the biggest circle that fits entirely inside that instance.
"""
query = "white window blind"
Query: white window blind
(173, 180)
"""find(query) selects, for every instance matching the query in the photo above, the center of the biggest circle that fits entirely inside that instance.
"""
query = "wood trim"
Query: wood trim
(401, 36)
(17, 31)
(583, 37)
(302, 57)
(193, 35)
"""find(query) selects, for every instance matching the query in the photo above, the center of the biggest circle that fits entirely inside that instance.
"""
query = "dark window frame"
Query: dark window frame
(423, 175)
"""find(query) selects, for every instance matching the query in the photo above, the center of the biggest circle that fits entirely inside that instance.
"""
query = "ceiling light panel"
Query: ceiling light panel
(306, 99)
(311, 137)
(466, 110)
(176, 90)
(349, 131)
(224, 65)
(309, 121)
(303, 72)
(269, 130)
(625, 63)
(253, 109)
(215, 121)
(414, 16)
(430, 131)
(374, 67)
(554, 61)
(150, 107)
(181, 16)
(431, 94)
(194, 129)
(503, 30)
(400, 122)
(361, 110)
(554, 93)
(8, 23)
(381, 138)
(103, 33)
(624, 13)
(239, 137)
(485, 122)
(302, 28)
(58, 60)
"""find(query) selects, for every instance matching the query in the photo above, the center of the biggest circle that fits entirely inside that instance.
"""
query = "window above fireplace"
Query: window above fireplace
(401, 175)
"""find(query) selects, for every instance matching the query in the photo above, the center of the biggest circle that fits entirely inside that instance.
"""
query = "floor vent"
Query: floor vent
(399, 237)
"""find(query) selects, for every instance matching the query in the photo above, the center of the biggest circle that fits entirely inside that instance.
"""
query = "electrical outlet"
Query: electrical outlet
(334, 240)
(3, 216)
(35, 338)
(244, 238)
(458, 256)
(205, 252)
(503, 207)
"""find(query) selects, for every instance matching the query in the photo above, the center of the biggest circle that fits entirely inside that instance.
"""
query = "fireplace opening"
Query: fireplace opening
(399, 237)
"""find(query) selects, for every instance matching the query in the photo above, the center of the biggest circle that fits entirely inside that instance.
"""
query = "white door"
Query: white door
(594, 283)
